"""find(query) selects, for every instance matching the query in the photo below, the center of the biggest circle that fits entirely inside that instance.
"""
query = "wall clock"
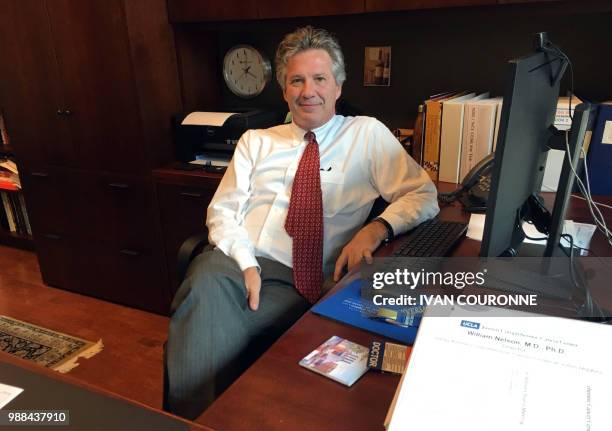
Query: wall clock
(246, 71)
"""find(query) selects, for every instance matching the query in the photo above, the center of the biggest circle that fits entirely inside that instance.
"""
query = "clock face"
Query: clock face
(246, 71)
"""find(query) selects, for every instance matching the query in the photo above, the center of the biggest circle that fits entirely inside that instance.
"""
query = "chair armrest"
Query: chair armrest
(191, 247)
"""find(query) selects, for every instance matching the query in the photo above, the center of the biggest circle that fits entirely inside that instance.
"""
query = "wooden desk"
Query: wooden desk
(277, 394)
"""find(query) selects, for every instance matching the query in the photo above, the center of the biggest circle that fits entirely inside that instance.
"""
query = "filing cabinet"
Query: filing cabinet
(96, 234)
(183, 198)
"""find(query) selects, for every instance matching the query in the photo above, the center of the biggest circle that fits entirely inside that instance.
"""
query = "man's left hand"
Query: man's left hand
(360, 247)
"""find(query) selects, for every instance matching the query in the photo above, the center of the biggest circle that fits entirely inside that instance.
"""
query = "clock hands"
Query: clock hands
(247, 71)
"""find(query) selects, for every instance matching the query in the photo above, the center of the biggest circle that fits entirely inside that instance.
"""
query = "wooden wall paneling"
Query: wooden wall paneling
(282, 9)
(393, 5)
(211, 10)
(199, 68)
(525, 1)
(93, 52)
(432, 51)
(30, 86)
(156, 74)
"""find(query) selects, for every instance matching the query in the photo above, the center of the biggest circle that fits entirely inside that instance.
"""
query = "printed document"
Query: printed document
(495, 369)
(7, 393)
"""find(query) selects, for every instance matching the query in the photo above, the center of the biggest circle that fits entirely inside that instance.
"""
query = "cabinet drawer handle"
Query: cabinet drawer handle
(191, 194)
(121, 186)
(40, 174)
(129, 252)
(52, 236)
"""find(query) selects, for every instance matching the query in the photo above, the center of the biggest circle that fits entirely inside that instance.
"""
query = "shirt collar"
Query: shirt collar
(320, 132)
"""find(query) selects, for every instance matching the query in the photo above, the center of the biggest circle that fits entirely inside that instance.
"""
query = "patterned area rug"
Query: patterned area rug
(43, 346)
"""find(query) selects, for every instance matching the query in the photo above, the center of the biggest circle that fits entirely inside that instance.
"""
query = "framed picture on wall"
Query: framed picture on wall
(377, 66)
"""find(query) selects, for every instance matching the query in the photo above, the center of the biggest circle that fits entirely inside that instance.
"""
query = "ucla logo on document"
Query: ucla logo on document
(471, 325)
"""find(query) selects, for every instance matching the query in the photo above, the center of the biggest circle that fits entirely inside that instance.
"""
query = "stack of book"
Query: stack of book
(13, 214)
(9, 175)
(459, 130)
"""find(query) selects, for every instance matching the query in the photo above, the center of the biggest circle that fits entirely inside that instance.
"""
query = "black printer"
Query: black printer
(192, 135)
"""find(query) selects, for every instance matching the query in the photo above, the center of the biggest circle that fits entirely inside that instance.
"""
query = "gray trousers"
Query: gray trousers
(214, 335)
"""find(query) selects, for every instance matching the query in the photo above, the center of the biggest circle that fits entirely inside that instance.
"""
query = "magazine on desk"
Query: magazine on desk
(338, 359)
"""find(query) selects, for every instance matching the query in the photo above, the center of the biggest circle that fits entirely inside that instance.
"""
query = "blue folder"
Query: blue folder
(347, 306)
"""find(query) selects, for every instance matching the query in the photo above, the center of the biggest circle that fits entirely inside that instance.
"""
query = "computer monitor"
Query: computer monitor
(526, 133)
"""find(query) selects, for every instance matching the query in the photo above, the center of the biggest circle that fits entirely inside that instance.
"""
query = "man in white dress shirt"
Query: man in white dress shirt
(239, 297)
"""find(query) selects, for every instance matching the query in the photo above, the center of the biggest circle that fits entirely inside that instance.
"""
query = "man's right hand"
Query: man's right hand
(252, 281)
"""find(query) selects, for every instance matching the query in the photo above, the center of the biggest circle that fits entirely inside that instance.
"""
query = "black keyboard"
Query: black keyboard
(433, 238)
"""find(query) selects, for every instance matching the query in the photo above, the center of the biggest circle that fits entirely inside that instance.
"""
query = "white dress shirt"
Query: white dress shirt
(360, 160)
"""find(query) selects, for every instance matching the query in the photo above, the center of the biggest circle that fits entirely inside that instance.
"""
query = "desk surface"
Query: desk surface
(277, 394)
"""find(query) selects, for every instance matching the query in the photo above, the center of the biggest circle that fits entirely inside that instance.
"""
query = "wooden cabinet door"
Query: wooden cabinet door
(50, 199)
(90, 38)
(30, 86)
(283, 9)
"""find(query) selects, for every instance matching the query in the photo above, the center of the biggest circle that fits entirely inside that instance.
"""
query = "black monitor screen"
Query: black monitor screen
(528, 112)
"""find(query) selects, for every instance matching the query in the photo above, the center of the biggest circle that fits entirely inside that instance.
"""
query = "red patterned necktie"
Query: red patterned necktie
(305, 223)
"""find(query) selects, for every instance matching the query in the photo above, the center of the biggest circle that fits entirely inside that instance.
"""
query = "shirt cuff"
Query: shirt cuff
(396, 222)
(245, 258)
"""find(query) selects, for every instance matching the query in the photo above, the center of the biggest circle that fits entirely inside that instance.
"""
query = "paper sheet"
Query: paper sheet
(206, 118)
(507, 370)
(581, 232)
(476, 227)
(8, 393)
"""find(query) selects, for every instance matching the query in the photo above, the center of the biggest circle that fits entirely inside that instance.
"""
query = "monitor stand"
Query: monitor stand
(537, 250)
(545, 277)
